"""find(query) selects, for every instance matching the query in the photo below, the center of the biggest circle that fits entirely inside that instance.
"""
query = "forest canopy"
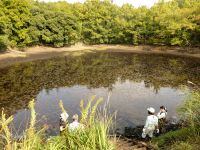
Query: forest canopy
(29, 22)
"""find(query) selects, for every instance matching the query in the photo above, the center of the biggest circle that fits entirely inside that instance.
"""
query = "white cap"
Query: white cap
(64, 116)
(151, 109)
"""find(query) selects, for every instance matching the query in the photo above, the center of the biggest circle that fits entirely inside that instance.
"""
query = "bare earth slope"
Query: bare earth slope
(39, 52)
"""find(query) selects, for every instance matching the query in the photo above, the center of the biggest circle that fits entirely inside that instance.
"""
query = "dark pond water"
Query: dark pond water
(133, 82)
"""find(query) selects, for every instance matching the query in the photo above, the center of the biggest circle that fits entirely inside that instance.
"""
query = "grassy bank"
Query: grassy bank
(93, 136)
(189, 136)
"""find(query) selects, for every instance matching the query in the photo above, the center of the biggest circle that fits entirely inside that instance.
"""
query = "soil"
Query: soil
(127, 144)
(131, 138)
(13, 56)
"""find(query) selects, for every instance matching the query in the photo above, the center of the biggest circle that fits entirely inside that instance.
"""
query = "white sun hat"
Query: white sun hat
(151, 109)
(64, 116)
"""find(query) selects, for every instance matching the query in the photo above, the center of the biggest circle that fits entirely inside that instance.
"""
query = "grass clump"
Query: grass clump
(182, 146)
(190, 111)
(92, 137)
(172, 136)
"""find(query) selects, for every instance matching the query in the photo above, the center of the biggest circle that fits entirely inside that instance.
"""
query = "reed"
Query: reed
(96, 127)
(92, 136)
(85, 110)
(5, 132)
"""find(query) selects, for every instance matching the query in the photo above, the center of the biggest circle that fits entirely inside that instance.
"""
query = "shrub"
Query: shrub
(3, 43)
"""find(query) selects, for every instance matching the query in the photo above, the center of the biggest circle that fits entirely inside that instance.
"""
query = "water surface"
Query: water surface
(132, 81)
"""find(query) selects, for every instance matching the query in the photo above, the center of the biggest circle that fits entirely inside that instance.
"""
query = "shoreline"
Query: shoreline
(40, 52)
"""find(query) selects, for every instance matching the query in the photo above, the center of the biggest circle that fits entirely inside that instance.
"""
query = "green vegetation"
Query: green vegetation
(93, 136)
(28, 23)
(189, 136)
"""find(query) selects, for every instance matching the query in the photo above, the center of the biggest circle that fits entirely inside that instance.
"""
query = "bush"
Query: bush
(3, 43)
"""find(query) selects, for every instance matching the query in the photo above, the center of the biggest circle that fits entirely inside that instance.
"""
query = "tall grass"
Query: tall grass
(4, 131)
(92, 137)
(94, 134)
(190, 110)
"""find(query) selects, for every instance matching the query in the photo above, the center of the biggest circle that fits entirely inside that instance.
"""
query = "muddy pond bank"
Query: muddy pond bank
(39, 52)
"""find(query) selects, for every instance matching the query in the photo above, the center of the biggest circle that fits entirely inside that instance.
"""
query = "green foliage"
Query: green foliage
(180, 139)
(52, 28)
(3, 43)
(94, 133)
(190, 109)
(29, 22)
(17, 13)
(92, 137)
(85, 111)
(4, 122)
(173, 136)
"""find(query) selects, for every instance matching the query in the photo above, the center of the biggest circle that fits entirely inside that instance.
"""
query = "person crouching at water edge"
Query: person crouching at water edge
(75, 124)
(162, 114)
(63, 121)
(151, 124)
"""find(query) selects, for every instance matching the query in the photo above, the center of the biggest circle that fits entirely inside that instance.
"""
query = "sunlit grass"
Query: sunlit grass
(93, 136)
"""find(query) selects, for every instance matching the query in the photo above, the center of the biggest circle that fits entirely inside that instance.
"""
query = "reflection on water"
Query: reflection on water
(134, 82)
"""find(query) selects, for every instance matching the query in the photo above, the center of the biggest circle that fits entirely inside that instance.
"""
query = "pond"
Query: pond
(131, 82)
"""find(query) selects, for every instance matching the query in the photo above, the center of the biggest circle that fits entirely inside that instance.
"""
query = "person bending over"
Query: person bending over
(162, 114)
(63, 121)
(151, 124)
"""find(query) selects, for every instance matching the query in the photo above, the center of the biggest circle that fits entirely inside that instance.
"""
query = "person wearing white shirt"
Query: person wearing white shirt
(151, 124)
(63, 121)
(162, 113)
(75, 124)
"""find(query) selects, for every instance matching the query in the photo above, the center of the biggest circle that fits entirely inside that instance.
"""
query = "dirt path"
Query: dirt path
(128, 144)
(40, 52)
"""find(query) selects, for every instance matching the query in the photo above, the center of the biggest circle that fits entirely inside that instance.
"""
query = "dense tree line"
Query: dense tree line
(29, 22)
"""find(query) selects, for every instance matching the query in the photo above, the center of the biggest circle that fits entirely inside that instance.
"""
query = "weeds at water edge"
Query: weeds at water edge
(93, 136)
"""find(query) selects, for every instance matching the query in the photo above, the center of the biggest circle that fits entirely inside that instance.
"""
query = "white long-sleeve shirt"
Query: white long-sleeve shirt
(162, 115)
(151, 122)
(75, 125)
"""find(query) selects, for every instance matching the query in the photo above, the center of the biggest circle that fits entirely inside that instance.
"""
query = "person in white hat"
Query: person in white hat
(63, 121)
(151, 123)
